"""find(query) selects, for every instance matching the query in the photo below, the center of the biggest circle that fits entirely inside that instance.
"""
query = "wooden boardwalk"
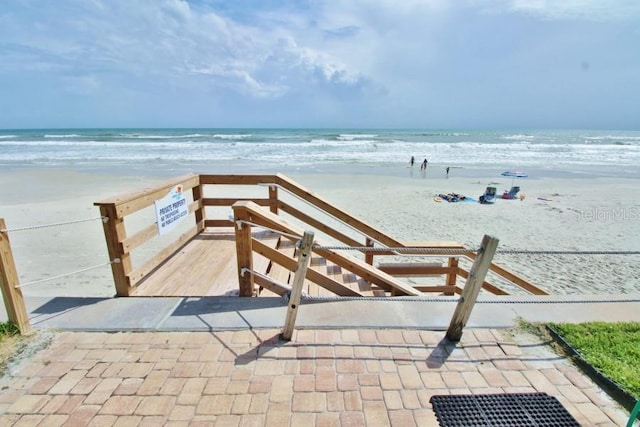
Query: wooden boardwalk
(203, 260)
(204, 266)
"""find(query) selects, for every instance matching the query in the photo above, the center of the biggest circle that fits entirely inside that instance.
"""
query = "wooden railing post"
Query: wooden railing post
(115, 233)
(368, 257)
(12, 295)
(200, 212)
(273, 199)
(472, 288)
(452, 276)
(244, 254)
(298, 282)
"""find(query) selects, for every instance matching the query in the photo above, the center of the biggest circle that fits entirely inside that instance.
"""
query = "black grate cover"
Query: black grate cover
(513, 409)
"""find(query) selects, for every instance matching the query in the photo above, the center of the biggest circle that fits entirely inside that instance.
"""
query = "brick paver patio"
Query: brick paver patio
(251, 378)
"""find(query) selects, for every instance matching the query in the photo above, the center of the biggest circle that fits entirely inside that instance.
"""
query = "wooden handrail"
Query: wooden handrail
(341, 237)
(249, 211)
(315, 200)
(128, 203)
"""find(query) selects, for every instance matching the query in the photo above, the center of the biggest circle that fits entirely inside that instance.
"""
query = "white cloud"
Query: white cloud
(595, 10)
(169, 41)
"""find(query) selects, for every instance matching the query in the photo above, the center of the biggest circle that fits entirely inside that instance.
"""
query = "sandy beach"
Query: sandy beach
(565, 212)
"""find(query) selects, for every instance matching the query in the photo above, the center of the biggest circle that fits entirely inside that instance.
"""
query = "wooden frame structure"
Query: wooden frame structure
(268, 212)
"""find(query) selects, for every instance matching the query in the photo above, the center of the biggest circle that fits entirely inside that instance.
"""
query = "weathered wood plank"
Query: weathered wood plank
(318, 225)
(472, 288)
(115, 233)
(205, 266)
(313, 275)
(129, 203)
(276, 271)
(449, 290)
(453, 275)
(314, 199)
(229, 201)
(12, 295)
(237, 179)
(218, 223)
(244, 252)
(141, 272)
(296, 288)
(415, 269)
(277, 288)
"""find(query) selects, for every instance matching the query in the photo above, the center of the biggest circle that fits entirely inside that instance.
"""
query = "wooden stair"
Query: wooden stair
(351, 284)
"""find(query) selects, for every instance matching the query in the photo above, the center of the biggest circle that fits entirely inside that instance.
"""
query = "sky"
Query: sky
(475, 64)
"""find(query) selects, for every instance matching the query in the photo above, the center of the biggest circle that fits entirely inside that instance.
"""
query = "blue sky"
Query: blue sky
(320, 63)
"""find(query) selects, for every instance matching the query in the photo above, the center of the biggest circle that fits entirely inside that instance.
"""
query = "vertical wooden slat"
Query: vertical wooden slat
(13, 300)
(115, 233)
(368, 257)
(273, 199)
(199, 213)
(298, 281)
(451, 277)
(244, 254)
(472, 288)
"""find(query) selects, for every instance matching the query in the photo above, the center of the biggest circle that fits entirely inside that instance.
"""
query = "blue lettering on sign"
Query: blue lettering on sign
(171, 209)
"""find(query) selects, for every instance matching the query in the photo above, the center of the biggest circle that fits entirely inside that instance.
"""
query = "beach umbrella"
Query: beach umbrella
(514, 174)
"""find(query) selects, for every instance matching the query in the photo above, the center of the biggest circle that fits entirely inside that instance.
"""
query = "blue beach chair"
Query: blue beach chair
(511, 194)
(489, 196)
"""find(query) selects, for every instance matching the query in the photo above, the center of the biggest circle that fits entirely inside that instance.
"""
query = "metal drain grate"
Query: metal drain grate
(514, 409)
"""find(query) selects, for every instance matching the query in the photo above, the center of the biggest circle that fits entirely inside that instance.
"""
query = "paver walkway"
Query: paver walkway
(251, 378)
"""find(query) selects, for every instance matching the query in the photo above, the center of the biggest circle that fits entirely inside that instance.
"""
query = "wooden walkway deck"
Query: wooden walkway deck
(206, 266)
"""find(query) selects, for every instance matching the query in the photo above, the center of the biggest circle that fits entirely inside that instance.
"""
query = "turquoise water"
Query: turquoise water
(316, 149)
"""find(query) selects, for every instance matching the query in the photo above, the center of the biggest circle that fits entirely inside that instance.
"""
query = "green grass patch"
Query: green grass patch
(8, 329)
(611, 348)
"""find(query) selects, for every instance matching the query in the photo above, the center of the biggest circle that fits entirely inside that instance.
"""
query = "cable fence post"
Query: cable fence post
(298, 281)
(12, 295)
(472, 288)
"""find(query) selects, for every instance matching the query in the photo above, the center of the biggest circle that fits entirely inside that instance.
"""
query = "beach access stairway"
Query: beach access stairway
(253, 251)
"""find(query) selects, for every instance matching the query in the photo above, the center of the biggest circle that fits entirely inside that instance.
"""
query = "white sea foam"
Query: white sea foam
(518, 136)
(304, 147)
(71, 135)
(350, 136)
(232, 136)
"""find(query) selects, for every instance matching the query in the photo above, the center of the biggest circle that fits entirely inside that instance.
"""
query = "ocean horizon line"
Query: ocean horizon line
(354, 128)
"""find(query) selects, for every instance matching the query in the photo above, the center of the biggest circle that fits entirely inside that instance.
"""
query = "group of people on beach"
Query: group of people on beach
(452, 197)
(425, 163)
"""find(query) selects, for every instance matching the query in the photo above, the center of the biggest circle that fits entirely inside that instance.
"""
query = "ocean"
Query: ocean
(255, 150)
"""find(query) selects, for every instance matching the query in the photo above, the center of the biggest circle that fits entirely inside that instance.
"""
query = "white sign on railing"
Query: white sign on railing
(171, 209)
